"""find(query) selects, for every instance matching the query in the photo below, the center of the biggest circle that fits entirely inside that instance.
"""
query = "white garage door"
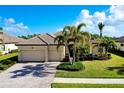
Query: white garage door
(53, 55)
(32, 55)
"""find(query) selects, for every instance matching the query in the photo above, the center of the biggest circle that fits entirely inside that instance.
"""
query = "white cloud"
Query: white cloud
(10, 25)
(21, 26)
(9, 21)
(114, 21)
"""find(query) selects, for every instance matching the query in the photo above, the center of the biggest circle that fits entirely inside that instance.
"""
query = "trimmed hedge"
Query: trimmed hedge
(3, 67)
(6, 62)
(76, 66)
(117, 52)
(89, 57)
(8, 56)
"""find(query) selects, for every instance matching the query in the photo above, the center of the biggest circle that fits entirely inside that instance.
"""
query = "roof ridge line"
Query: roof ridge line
(50, 35)
(42, 40)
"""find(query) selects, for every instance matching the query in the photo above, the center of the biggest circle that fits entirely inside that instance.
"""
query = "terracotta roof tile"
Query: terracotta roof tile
(5, 38)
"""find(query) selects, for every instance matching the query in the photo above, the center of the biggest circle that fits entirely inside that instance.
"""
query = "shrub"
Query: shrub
(3, 67)
(8, 62)
(117, 52)
(66, 58)
(71, 67)
(1, 53)
(14, 51)
(109, 56)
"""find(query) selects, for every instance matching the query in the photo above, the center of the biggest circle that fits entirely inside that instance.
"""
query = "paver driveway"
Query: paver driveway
(28, 75)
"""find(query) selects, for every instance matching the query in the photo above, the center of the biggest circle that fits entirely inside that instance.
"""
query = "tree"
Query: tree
(73, 35)
(28, 36)
(95, 36)
(64, 39)
(100, 26)
(107, 42)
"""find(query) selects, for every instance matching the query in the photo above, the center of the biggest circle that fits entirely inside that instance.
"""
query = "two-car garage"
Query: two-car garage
(40, 48)
(40, 53)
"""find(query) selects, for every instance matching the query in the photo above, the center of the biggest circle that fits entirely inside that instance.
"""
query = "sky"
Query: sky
(33, 19)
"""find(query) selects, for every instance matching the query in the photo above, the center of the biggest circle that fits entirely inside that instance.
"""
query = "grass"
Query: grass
(66, 85)
(3, 57)
(113, 68)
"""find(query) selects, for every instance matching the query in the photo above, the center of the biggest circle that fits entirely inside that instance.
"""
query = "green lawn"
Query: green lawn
(113, 68)
(3, 57)
(65, 85)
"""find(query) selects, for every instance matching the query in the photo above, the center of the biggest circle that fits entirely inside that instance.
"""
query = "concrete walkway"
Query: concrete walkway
(89, 80)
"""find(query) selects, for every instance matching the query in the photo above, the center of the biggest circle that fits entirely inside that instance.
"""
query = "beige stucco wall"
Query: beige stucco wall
(48, 53)
(119, 47)
(95, 50)
(54, 54)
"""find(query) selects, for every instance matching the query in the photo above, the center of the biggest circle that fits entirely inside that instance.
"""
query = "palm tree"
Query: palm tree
(107, 42)
(64, 39)
(79, 38)
(100, 26)
(73, 35)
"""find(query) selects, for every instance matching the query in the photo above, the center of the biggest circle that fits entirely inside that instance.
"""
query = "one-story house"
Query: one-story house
(43, 48)
(120, 43)
(40, 48)
(7, 42)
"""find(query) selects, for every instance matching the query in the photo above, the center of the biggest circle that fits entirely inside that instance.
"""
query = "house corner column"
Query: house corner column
(46, 53)
(91, 48)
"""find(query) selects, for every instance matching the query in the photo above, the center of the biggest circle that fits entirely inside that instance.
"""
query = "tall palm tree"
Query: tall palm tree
(64, 39)
(100, 26)
(80, 38)
(73, 35)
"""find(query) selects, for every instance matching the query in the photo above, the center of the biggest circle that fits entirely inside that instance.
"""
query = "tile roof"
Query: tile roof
(43, 39)
(120, 39)
(49, 39)
(32, 41)
(5, 38)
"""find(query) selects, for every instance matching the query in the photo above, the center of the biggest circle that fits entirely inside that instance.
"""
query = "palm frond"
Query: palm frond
(80, 26)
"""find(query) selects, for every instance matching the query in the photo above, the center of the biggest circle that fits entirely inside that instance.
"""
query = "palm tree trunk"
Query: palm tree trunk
(100, 33)
(106, 50)
(70, 60)
(74, 53)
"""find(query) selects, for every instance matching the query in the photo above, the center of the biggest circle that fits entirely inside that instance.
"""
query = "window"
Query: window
(122, 44)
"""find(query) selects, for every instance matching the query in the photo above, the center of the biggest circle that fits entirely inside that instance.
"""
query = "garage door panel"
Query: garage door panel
(32, 55)
(54, 55)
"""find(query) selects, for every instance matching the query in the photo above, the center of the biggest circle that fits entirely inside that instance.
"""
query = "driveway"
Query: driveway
(28, 75)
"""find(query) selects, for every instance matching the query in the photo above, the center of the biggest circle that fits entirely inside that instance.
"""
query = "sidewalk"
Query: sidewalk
(89, 80)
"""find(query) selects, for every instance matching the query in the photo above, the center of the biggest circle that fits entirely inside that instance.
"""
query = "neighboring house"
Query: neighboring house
(40, 48)
(7, 42)
(120, 43)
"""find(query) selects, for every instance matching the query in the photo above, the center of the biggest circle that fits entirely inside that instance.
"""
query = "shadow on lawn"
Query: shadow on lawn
(39, 70)
(120, 69)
